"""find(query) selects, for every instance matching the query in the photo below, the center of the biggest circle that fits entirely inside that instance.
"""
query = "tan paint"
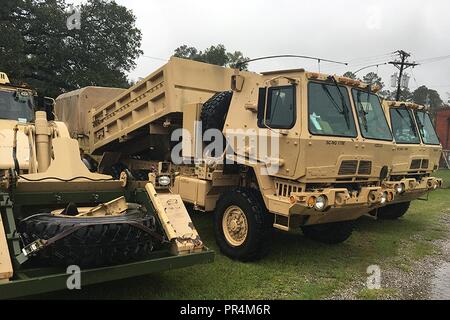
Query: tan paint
(42, 132)
(175, 220)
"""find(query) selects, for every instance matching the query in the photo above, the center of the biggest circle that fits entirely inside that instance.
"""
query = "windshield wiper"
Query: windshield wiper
(324, 87)
(411, 123)
(362, 112)
(345, 110)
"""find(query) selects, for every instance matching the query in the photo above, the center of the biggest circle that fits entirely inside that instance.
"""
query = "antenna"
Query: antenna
(372, 65)
(319, 60)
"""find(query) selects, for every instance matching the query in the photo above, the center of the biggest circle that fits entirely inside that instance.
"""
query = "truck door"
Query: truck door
(277, 120)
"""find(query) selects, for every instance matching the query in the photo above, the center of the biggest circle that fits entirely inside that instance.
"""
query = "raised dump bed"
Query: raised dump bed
(164, 92)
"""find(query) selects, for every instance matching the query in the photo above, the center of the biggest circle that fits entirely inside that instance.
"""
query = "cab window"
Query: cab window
(329, 111)
(426, 128)
(280, 112)
(403, 126)
(371, 117)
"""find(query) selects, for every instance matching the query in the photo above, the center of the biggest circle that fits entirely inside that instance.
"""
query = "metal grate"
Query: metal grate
(425, 163)
(348, 167)
(415, 164)
(365, 167)
(285, 189)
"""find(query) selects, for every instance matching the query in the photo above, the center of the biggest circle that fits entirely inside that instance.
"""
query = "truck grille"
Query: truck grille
(285, 189)
(365, 167)
(416, 163)
(425, 163)
(348, 167)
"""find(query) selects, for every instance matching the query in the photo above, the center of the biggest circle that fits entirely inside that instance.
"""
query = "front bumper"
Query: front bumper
(341, 204)
(413, 189)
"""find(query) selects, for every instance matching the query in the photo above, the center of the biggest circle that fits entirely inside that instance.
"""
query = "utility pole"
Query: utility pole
(402, 65)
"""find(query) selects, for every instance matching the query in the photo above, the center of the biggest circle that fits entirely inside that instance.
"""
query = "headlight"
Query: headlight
(384, 198)
(321, 203)
(164, 181)
(400, 188)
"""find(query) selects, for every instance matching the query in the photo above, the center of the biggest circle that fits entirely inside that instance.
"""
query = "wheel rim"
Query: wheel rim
(235, 226)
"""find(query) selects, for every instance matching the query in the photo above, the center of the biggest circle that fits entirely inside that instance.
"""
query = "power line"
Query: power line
(435, 59)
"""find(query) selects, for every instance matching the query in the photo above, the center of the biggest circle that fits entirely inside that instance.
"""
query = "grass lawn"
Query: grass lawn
(297, 268)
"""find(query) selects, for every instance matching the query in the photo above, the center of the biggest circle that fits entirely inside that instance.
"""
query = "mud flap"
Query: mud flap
(175, 221)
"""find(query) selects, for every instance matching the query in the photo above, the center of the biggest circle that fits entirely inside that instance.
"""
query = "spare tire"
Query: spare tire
(214, 111)
(95, 241)
(213, 115)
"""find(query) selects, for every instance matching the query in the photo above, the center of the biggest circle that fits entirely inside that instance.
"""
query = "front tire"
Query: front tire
(242, 225)
(393, 211)
(329, 233)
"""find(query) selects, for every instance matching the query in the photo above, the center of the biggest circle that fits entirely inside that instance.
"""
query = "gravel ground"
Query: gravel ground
(425, 279)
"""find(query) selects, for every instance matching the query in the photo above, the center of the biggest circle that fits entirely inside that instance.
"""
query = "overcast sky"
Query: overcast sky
(359, 32)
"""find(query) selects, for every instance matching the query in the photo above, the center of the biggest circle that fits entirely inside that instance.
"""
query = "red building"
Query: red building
(443, 127)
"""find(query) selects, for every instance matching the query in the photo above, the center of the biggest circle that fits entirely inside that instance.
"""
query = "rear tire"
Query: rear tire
(109, 243)
(330, 233)
(393, 211)
(242, 225)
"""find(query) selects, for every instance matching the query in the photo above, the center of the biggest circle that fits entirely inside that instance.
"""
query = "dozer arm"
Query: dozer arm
(175, 221)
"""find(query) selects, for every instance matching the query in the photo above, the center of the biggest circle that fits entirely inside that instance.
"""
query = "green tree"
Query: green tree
(425, 96)
(373, 78)
(350, 75)
(217, 55)
(44, 53)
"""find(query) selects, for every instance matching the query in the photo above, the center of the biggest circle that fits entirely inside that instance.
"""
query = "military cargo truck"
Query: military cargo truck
(57, 216)
(72, 109)
(416, 156)
(299, 149)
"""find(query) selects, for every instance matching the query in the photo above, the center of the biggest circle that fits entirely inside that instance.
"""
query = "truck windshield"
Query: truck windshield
(16, 106)
(426, 128)
(403, 126)
(328, 115)
(372, 120)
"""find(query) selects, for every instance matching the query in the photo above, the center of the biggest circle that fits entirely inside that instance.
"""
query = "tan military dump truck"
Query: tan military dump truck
(299, 149)
(416, 156)
(57, 216)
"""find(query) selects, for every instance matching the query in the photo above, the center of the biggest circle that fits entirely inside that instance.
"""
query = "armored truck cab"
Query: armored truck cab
(416, 156)
(16, 105)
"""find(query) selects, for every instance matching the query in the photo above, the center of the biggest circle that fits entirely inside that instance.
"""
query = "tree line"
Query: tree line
(39, 49)
(422, 95)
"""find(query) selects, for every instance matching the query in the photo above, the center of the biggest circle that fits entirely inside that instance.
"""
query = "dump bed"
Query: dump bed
(162, 93)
